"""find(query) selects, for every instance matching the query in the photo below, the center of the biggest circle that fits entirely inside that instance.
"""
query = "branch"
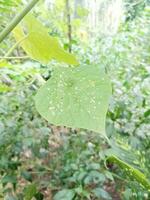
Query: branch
(69, 24)
(17, 19)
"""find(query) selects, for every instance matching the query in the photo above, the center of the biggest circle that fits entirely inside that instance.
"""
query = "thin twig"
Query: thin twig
(69, 24)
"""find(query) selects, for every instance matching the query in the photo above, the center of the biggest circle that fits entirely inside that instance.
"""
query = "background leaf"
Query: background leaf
(38, 44)
(101, 193)
(30, 191)
(64, 195)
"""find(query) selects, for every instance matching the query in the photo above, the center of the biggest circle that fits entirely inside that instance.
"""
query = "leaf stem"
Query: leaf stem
(17, 19)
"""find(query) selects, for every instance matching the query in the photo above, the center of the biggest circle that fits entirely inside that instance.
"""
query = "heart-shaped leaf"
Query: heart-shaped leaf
(76, 98)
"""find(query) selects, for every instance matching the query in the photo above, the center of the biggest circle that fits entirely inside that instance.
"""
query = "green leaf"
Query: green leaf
(147, 113)
(109, 175)
(4, 88)
(76, 98)
(9, 179)
(131, 171)
(26, 175)
(3, 63)
(10, 197)
(65, 194)
(38, 44)
(94, 177)
(30, 191)
(127, 194)
(39, 196)
(82, 192)
(82, 12)
(100, 193)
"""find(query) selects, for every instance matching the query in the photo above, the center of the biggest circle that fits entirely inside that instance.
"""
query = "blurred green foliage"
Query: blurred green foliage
(39, 160)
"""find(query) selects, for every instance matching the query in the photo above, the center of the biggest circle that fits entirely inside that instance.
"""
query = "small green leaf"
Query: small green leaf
(9, 179)
(147, 113)
(65, 194)
(127, 194)
(109, 175)
(30, 191)
(82, 12)
(93, 166)
(3, 63)
(38, 44)
(94, 177)
(82, 192)
(39, 196)
(26, 175)
(10, 197)
(101, 193)
(4, 88)
(76, 98)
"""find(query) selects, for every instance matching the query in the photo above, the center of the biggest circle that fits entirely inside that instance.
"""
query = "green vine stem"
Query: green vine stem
(17, 19)
(130, 171)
